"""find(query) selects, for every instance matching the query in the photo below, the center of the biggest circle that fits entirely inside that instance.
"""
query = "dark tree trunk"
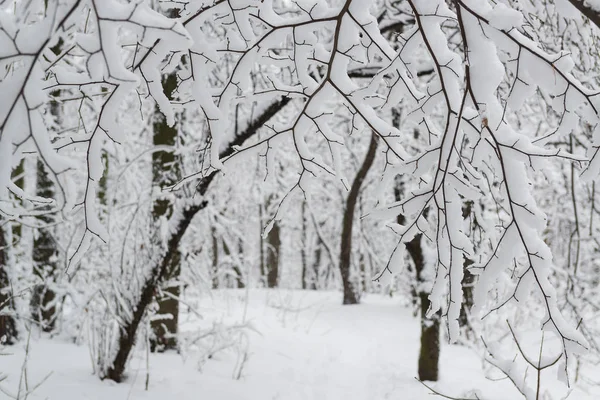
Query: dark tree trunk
(164, 326)
(304, 249)
(45, 259)
(45, 250)
(316, 266)
(214, 274)
(467, 282)
(351, 285)
(45, 254)
(8, 324)
(273, 251)
(165, 172)
(263, 267)
(467, 288)
(429, 353)
(160, 270)
(241, 284)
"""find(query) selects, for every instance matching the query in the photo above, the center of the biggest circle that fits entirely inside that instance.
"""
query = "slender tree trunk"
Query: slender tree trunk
(239, 277)
(467, 288)
(214, 275)
(351, 286)
(429, 353)
(8, 319)
(45, 254)
(303, 248)
(273, 253)
(263, 267)
(8, 324)
(45, 260)
(165, 166)
(316, 267)
(237, 267)
(467, 282)
(160, 270)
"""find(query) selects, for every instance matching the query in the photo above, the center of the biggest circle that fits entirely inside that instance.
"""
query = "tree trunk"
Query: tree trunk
(8, 324)
(316, 266)
(429, 353)
(160, 269)
(467, 282)
(303, 248)
(45, 258)
(165, 168)
(263, 267)
(214, 273)
(44, 300)
(239, 277)
(237, 267)
(273, 252)
(351, 286)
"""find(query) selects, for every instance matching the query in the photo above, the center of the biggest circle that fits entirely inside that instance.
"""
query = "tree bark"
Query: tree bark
(159, 271)
(351, 286)
(45, 253)
(165, 172)
(215, 259)
(45, 258)
(273, 251)
(316, 267)
(8, 324)
(239, 277)
(429, 352)
(304, 250)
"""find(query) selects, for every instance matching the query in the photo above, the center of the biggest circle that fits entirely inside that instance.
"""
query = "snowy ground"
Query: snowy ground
(302, 345)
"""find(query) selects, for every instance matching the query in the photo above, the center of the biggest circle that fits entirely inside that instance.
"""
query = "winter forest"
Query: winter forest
(299, 199)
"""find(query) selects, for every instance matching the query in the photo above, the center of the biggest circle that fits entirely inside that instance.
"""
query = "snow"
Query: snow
(302, 345)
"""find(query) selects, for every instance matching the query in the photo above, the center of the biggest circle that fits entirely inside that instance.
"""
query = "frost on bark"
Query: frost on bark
(165, 173)
(8, 326)
(350, 281)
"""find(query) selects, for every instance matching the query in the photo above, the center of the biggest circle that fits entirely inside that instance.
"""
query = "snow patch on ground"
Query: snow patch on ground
(303, 345)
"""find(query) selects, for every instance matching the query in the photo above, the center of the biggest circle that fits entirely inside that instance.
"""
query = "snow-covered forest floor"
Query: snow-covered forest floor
(278, 344)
